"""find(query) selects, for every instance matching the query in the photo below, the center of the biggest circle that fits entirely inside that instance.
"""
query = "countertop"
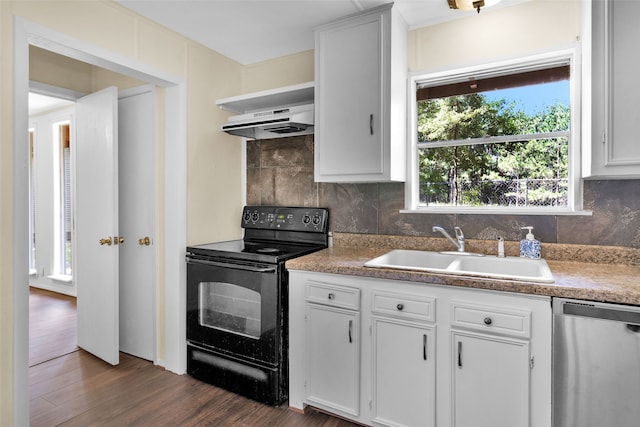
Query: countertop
(596, 273)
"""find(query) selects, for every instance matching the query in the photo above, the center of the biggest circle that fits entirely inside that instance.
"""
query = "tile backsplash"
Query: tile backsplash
(280, 172)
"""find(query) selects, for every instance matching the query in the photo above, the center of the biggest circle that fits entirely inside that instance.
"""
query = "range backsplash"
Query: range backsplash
(280, 172)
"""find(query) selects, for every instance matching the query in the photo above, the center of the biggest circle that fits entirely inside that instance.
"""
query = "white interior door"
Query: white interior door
(137, 223)
(96, 255)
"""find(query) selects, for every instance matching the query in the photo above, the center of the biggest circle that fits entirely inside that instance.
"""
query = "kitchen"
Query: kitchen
(214, 171)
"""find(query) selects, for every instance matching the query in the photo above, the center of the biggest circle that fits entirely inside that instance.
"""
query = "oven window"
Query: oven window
(231, 308)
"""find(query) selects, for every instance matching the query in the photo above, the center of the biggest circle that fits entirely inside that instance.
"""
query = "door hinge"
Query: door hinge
(531, 362)
(604, 137)
(370, 330)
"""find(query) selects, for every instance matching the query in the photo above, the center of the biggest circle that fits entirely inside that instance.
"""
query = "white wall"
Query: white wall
(214, 174)
(532, 27)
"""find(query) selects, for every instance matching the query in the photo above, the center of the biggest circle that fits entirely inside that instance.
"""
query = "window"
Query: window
(496, 138)
(64, 223)
(32, 203)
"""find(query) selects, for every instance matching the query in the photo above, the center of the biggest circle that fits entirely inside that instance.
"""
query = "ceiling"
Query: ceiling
(250, 31)
(43, 103)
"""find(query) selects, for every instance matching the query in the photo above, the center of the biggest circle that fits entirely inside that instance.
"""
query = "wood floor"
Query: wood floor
(77, 389)
(52, 325)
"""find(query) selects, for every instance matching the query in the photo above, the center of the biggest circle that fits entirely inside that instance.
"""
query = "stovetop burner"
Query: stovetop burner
(268, 250)
(272, 235)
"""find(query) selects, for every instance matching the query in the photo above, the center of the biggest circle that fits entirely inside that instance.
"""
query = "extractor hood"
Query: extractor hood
(273, 123)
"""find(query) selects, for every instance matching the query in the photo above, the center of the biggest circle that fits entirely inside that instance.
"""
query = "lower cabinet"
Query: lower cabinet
(333, 359)
(490, 381)
(393, 353)
(403, 373)
(492, 365)
(333, 347)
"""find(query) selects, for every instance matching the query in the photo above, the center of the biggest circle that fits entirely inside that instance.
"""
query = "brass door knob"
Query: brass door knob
(145, 241)
(106, 241)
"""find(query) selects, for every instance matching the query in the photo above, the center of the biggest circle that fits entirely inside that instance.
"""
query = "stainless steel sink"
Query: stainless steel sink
(466, 264)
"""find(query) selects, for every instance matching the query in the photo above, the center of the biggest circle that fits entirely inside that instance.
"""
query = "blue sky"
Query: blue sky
(534, 98)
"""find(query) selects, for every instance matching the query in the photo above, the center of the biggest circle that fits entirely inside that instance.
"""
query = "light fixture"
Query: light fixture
(471, 4)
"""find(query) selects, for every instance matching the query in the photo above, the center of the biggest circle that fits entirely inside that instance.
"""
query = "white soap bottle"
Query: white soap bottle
(529, 246)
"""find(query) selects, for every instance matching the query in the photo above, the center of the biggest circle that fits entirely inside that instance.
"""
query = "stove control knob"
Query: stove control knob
(255, 217)
(306, 219)
(316, 219)
(247, 216)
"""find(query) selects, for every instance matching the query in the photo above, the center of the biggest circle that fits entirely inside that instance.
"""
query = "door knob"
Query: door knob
(106, 241)
(144, 241)
(118, 240)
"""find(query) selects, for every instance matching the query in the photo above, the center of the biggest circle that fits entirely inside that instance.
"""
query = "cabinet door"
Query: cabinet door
(348, 99)
(490, 381)
(333, 358)
(616, 100)
(403, 373)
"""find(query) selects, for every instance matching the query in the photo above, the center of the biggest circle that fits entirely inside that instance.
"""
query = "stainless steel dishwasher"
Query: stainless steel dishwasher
(596, 364)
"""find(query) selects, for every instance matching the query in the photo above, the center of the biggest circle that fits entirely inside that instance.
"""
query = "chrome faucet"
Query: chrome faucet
(459, 236)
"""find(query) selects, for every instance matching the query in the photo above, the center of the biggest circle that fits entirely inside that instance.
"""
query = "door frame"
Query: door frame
(26, 33)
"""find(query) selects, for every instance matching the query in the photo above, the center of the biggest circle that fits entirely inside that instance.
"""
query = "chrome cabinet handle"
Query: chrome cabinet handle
(331, 296)
(400, 307)
(424, 347)
(350, 329)
(459, 354)
(371, 124)
(488, 321)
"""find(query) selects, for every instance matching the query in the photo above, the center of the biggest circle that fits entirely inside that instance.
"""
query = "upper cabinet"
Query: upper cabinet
(360, 97)
(615, 151)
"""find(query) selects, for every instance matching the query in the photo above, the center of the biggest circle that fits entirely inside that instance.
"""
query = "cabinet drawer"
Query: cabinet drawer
(491, 319)
(405, 306)
(333, 295)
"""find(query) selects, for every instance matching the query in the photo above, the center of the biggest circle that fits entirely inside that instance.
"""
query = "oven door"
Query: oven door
(235, 308)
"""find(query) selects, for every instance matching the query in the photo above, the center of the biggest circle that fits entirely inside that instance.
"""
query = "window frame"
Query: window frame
(32, 200)
(568, 56)
(59, 238)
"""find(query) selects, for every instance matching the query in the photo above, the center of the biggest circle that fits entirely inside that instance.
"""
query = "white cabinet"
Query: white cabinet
(403, 359)
(615, 105)
(360, 98)
(395, 353)
(490, 381)
(492, 365)
(333, 348)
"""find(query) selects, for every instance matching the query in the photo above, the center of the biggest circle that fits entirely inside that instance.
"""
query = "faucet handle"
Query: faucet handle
(459, 233)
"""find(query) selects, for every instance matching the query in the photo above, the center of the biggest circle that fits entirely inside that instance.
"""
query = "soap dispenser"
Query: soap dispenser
(529, 246)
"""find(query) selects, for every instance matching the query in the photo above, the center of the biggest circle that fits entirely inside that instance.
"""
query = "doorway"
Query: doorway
(52, 206)
(173, 194)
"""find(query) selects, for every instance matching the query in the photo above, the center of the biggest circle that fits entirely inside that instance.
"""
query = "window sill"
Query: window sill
(494, 211)
(61, 278)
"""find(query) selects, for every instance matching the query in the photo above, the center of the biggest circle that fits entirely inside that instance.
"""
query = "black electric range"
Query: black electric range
(237, 300)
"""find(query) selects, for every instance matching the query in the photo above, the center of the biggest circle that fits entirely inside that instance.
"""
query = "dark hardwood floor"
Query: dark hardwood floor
(77, 389)
(52, 325)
